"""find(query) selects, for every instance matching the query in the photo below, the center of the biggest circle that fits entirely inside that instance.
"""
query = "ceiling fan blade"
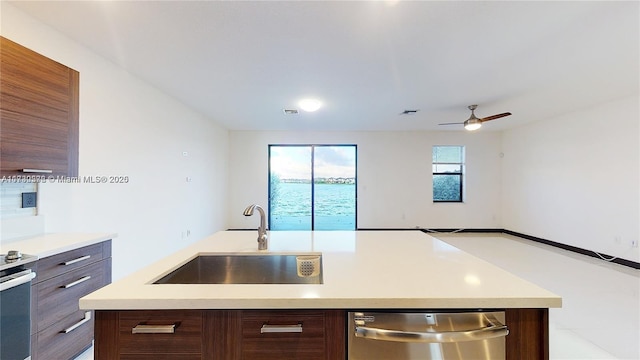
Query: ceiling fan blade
(497, 116)
(457, 123)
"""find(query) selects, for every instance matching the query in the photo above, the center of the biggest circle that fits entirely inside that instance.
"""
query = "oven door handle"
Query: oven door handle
(494, 330)
(13, 280)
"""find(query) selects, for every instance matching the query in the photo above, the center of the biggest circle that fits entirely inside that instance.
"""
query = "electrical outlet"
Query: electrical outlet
(29, 199)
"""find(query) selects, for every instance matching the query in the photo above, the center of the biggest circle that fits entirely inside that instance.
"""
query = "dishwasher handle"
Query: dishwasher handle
(494, 330)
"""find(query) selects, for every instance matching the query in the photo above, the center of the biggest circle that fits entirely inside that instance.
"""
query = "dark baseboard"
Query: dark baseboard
(458, 231)
(576, 249)
(389, 229)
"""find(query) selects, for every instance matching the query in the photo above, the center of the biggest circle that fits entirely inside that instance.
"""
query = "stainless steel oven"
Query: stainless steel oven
(15, 312)
(439, 335)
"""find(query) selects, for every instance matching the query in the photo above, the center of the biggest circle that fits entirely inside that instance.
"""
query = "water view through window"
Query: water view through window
(448, 167)
(312, 187)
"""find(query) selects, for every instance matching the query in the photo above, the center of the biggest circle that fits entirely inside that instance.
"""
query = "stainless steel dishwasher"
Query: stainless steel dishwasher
(474, 335)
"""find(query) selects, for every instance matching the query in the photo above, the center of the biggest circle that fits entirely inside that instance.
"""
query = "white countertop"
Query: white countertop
(361, 269)
(50, 244)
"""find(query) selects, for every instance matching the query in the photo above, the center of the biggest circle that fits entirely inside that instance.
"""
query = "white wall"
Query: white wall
(574, 179)
(394, 176)
(554, 181)
(128, 128)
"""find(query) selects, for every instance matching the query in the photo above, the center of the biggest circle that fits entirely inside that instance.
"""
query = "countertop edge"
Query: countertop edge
(54, 243)
(239, 304)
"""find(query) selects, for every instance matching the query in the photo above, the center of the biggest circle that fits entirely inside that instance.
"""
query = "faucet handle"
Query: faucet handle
(263, 241)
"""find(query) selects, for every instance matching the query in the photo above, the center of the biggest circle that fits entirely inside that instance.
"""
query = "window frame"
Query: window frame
(459, 174)
(313, 185)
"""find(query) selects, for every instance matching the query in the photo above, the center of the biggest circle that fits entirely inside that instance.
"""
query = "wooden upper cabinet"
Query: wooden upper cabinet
(39, 113)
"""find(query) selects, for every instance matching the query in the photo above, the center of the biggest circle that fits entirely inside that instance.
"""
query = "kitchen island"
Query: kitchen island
(360, 270)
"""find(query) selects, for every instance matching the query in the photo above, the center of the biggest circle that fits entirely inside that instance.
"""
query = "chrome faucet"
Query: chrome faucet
(262, 230)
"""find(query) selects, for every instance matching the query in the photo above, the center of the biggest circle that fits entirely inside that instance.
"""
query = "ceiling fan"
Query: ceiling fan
(473, 123)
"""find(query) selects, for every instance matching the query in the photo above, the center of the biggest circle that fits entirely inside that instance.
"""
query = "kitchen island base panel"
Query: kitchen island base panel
(225, 334)
(528, 334)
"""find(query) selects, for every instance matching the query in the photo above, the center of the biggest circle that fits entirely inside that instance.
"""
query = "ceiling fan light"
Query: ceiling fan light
(310, 105)
(472, 124)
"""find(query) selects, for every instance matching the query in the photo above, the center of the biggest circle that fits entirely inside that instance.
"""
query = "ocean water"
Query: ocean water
(335, 207)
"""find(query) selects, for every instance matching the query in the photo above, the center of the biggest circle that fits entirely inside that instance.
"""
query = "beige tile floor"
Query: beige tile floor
(600, 317)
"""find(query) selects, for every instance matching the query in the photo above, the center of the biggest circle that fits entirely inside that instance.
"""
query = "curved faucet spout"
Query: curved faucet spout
(262, 230)
(249, 210)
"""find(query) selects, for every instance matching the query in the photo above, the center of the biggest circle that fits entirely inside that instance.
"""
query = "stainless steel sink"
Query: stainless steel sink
(248, 269)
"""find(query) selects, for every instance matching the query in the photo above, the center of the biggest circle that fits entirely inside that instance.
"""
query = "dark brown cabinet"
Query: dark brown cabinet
(39, 107)
(172, 332)
(302, 334)
(241, 334)
(220, 334)
(157, 334)
(60, 330)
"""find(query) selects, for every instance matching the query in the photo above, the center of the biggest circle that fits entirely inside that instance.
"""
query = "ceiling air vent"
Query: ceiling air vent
(290, 111)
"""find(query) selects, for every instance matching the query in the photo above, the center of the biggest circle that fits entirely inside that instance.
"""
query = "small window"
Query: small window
(448, 167)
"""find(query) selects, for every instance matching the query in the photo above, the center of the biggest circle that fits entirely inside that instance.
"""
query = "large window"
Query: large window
(448, 168)
(312, 187)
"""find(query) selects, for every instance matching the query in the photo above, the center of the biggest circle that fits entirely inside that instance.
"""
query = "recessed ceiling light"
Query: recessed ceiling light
(310, 104)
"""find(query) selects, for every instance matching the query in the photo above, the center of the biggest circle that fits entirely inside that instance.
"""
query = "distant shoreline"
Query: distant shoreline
(340, 181)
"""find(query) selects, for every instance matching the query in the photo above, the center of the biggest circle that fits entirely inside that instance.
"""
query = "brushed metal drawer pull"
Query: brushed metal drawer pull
(37, 171)
(79, 281)
(154, 329)
(82, 258)
(87, 318)
(266, 328)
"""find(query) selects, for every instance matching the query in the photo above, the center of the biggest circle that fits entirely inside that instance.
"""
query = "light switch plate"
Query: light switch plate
(29, 199)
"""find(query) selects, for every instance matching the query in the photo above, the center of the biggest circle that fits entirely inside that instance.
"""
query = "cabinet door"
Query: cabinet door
(221, 334)
(67, 337)
(39, 107)
(169, 335)
(150, 333)
(67, 261)
(283, 335)
(58, 296)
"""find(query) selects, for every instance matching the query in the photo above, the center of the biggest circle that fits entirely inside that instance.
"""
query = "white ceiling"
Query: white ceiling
(242, 62)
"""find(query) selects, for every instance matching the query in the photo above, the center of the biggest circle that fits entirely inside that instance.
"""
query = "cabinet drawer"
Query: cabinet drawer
(160, 357)
(186, 337)
(260, 343)
(58, 297)
(67, 337)
(55, 265)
